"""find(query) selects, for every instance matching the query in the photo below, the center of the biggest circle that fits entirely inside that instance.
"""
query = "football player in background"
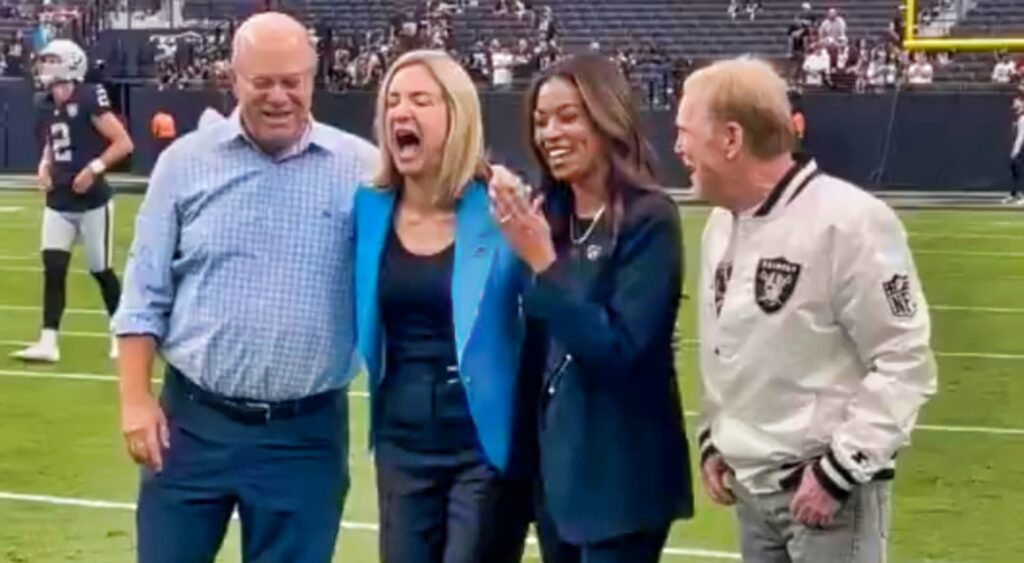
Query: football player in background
(82, 139)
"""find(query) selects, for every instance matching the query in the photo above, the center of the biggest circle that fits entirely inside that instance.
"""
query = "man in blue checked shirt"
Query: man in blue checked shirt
(240, 277)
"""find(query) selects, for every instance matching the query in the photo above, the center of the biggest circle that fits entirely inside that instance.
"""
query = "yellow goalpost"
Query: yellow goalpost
(913, 43)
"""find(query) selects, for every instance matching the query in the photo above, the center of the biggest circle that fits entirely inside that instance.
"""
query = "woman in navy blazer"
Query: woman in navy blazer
(606, 250)
(439, 324)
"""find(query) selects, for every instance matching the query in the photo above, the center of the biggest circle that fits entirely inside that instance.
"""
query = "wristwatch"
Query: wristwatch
(97, 166)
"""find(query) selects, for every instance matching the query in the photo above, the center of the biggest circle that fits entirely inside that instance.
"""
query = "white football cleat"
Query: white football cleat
(38, 352)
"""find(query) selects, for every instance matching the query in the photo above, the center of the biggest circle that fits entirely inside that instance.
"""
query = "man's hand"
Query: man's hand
(713, 472)
(812, 505)
(43, 179)
(144, 427)
(83, 181)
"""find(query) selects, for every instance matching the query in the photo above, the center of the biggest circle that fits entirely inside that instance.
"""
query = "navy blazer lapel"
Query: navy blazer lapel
(373, 220)
(475, 242)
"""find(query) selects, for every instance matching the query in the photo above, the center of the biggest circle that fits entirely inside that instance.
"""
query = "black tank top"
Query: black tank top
(421, 404)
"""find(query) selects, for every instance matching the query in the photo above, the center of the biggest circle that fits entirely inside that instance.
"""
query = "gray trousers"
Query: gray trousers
(857, 534)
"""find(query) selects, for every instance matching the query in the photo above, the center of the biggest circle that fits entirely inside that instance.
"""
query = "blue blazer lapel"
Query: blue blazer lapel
(475, 244)
(374, 210)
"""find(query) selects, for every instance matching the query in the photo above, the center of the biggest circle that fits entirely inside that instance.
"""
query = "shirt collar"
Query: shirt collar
(314, 135)
(804, 170)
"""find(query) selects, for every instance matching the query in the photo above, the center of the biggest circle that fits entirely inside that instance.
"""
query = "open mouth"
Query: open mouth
(277, 116)
(407, 142)
(557, 155)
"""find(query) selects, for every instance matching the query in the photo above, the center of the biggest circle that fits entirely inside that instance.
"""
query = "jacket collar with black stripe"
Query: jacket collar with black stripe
(792, 184)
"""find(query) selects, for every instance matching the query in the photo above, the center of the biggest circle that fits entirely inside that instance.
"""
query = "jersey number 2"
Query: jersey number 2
(60, 142)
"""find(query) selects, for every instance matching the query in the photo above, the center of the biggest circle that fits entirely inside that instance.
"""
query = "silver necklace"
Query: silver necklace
(590, 230)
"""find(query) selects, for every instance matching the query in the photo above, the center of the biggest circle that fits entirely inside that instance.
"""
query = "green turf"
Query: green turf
(958, 497)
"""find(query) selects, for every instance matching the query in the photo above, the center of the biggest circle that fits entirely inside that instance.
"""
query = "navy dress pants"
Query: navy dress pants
(287, 477)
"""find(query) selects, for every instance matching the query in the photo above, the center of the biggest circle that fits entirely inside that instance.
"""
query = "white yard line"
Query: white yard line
(98, 377)
(34, 308)
(973, 253)
(936, 234)
(347, 525)
(970, 429)
(978, 355)
(76, 334)
(365, 394)
(939, 307)
(37, 269)
(973, 309)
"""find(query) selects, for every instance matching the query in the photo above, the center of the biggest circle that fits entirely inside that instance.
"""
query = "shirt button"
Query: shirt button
(718, 351)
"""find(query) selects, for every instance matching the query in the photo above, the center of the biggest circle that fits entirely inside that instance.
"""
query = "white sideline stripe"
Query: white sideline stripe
(366, 395)
(347, 525)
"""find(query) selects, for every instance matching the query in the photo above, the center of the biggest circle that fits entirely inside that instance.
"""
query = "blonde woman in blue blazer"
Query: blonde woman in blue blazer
(439, 324)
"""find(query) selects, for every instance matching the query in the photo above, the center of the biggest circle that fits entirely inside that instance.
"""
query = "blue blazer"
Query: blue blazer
(487, 282)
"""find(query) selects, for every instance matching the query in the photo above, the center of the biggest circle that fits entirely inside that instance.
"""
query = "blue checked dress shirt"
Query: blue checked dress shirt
(241, 266)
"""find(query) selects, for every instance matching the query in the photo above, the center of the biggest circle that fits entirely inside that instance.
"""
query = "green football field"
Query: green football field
(67, 488)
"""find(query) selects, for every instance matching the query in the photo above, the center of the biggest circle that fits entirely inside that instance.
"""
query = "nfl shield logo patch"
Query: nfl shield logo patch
(72, 110)
(900, 297)
(776, 281)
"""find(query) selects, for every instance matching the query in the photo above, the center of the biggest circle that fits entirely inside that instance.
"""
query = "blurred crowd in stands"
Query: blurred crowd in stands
(822, 54)
(34, 24)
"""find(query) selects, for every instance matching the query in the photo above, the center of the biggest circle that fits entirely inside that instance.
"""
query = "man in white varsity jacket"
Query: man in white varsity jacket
(815, 355)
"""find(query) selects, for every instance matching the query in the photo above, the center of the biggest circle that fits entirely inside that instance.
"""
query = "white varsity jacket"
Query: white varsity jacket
(814, 336)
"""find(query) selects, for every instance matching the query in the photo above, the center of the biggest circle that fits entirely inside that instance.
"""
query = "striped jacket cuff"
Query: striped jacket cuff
(833, 477)
(707, 448)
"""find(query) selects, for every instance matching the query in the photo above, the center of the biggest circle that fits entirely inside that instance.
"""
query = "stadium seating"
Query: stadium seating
(701, 28)
(990, 18)
(993, 18)
(220, 9)
(695, 28)
(480, 22)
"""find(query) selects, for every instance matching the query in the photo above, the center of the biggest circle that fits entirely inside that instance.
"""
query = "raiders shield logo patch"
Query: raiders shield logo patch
(72, 110)
(900, 297)
(776, 281)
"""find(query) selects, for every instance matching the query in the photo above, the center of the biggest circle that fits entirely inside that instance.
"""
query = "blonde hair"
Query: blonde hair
(751, 93)
(464, 145)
